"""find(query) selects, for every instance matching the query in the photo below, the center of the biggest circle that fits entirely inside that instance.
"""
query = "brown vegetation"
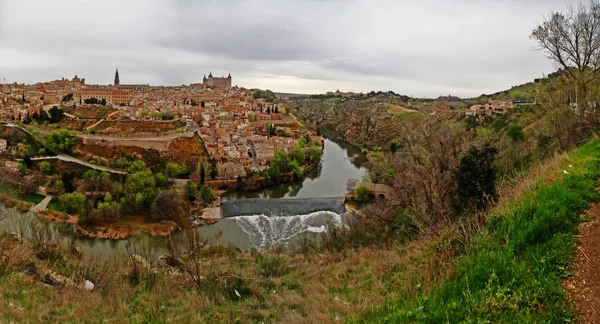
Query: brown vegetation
(118, 127)
(92, 112)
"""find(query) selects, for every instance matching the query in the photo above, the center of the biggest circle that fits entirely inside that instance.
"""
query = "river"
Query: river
(340, 162)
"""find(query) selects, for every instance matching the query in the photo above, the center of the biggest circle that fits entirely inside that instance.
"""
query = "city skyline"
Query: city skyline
(351, 45)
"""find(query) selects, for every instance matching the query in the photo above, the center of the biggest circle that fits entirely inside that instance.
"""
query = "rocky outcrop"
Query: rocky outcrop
(139, 261)
(54, 279)
(174, 266)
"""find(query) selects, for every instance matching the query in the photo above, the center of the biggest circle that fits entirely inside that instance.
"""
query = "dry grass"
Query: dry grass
(397, 109)
(318, 288)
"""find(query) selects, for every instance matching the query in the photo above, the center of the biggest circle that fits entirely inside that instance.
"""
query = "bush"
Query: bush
(271, 266)
(61, 141)
(206, 194)
(175, 170)
(73, 203)
(22, 169)
(45, 167)
(476, 178)
(190, 190)
(167, 206)
(362, 194)
(515, 133)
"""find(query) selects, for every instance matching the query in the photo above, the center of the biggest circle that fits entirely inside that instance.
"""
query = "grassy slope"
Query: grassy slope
(513, 269)
(13, 192)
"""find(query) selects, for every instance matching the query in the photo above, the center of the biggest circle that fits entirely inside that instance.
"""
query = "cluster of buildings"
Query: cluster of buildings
(240, 133)
(338, 93)
(493, 108)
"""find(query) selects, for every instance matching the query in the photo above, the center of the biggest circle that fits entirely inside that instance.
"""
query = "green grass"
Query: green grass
(55, 205)
(13, 192)
(513, 269)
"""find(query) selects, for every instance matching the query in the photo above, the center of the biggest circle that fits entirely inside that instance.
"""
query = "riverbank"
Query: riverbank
(322, 283)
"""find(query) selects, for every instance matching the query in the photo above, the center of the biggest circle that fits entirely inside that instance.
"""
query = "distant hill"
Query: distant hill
(290, 95)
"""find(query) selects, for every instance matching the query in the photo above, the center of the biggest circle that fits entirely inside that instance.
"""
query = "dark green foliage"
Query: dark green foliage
(73, 203)
(175, 170)
(498, 124)
(476, 178)
(206, 194)
(60, 141)
(95, 101)
(56, 115)
(45, 167)
(362, 194)
(405, 226)
(141, 189)
(515, 133)
(267, 94)
(68, 97)
(190, 190)
(280, 164)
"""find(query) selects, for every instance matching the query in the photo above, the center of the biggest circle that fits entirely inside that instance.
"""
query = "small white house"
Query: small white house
(2, 145)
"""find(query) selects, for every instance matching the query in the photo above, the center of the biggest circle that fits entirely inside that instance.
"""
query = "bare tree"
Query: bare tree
(427, 162)
(572, 41)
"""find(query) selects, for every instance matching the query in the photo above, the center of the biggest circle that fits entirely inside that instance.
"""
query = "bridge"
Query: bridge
(376, 190)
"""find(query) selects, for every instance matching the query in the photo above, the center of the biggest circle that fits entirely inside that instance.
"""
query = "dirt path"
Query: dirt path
(584, 286)
(43, 205)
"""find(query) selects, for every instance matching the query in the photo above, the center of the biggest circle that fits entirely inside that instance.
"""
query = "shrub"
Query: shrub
(476, 178)
(190, 190)
(362, 194)
(515, 133)
(73, 203)
(175, 170)
(61, 141)
(206, 194)
(167, 206)
(45, 167)
(271, 266)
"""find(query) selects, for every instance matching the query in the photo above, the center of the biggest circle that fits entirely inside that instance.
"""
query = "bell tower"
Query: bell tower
(117, 77)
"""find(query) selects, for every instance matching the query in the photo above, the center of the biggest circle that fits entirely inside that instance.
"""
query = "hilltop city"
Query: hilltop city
(232, 121)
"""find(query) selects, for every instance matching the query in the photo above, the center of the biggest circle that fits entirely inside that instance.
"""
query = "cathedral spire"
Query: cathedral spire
(117, 77)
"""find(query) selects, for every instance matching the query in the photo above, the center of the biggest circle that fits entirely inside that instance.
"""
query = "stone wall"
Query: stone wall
(159, 145)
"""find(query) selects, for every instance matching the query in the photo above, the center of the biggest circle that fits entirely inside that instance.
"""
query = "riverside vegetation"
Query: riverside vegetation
(480, 227)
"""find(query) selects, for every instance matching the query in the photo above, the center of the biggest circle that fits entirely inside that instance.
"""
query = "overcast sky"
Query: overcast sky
(413, 47)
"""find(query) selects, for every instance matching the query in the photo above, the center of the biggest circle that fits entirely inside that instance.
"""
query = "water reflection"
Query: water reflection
(340, 162)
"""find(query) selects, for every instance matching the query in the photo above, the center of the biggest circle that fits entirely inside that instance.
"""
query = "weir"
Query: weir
(281, 207)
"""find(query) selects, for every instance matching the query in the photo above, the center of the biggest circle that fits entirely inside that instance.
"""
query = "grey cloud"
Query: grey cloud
(427, 47)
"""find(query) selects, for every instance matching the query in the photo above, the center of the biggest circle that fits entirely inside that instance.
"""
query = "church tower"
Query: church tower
(117, 77)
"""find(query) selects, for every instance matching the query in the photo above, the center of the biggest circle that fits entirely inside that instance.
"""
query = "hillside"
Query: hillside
(369, 122)
(511, 270)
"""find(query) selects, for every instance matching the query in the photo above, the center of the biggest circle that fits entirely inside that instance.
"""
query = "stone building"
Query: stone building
(217, 82)
(111, 95)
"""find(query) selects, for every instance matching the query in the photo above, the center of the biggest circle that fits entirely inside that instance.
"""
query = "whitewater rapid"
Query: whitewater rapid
(267, 232)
